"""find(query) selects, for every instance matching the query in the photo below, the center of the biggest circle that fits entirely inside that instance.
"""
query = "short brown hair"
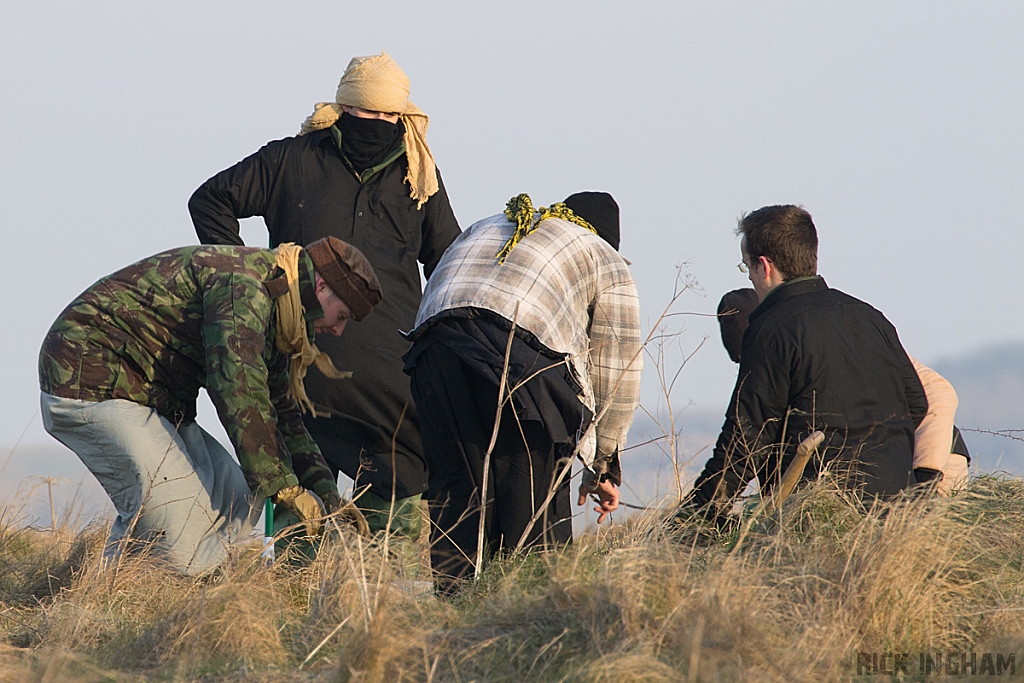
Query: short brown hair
(785, 235)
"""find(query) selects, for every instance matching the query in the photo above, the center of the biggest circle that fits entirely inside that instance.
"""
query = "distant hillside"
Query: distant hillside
(990, 385)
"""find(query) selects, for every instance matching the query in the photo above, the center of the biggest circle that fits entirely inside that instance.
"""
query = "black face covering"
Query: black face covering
(367, 142)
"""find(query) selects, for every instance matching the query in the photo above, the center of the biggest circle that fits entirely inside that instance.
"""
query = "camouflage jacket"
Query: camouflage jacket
(202, 316)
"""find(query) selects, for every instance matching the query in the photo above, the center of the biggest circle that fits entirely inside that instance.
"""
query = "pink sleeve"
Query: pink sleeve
(934, 438)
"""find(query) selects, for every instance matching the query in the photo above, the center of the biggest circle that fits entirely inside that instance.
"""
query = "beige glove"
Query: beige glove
(332, 500)
(306, 505)
(345, 512)
(349, 514)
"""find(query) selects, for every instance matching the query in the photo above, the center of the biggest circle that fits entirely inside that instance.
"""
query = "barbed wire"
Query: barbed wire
(1014, 434)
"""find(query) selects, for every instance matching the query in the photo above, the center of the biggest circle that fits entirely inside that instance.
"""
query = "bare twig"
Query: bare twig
(323, 642)
(17, 443)
(490, 447)
(565, 471)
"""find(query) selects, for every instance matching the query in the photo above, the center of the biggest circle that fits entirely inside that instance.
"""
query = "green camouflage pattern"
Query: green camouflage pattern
(195, 317)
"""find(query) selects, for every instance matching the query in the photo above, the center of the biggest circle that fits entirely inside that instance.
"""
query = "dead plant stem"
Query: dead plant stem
(490, 447)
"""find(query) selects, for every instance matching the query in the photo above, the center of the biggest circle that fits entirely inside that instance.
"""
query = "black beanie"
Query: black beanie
(733, 311)
(600, 210)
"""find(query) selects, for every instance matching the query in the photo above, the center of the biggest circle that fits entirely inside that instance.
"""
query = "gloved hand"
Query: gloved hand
(344, 511)
(349, 514)
(305, 504)
(331, 498)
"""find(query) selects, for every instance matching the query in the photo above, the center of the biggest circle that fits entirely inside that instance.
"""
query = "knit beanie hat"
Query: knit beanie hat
(347, 272)
(733, 311)
(377, 83)
(600, 210)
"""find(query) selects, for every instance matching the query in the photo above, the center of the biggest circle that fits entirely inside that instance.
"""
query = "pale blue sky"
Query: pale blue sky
(897, 125)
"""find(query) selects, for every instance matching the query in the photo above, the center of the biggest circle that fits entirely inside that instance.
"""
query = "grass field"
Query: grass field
(811, 595)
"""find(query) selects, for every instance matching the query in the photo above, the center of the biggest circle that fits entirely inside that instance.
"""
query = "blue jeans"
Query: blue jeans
(173, 487)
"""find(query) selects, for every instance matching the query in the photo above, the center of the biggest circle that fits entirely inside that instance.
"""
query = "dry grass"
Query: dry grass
(794, 599)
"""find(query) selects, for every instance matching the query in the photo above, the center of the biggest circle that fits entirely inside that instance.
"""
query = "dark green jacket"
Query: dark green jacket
(158, 330)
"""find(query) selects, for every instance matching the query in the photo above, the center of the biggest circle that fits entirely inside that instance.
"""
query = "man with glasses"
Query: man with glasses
(813, 358)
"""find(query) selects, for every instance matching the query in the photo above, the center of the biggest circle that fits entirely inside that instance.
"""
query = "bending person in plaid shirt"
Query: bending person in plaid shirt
(546, 293)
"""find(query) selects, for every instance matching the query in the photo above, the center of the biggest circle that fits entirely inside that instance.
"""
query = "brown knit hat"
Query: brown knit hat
(347, 272)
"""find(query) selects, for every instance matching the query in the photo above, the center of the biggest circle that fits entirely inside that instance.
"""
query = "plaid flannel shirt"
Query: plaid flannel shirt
(576, 295)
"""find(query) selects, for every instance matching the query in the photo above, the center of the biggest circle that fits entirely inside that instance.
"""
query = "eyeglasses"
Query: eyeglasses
(743, 267)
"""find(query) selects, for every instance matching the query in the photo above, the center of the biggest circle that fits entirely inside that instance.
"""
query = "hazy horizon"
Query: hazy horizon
(896, 125)
(991, 399)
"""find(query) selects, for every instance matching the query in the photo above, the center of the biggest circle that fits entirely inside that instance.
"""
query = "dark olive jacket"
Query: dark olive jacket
(304, 190)
(816, 358)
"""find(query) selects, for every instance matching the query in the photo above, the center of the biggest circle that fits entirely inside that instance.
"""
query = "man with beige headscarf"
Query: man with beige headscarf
(360, 170)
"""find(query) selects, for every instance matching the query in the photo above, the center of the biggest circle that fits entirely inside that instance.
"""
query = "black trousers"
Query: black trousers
(457, 408)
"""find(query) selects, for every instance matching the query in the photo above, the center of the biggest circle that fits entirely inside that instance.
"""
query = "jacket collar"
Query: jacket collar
(787, 290)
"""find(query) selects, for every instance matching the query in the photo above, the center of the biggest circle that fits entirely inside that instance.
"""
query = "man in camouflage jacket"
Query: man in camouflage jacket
(121, 368)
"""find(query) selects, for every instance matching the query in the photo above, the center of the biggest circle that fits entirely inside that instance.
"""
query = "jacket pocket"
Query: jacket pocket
(398, 221)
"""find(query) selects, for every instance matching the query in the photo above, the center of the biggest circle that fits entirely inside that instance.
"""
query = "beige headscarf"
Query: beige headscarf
(291, 331)
(377, 83)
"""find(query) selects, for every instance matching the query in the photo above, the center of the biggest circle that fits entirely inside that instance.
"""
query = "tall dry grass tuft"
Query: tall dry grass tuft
(235, 625)
(789, 597)
(36, 565)
(359, 614)
(630, 669)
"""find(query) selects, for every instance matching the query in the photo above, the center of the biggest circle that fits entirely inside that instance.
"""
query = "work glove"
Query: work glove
(343, 511)
(331, 498)
(349, 514)
(305, 504)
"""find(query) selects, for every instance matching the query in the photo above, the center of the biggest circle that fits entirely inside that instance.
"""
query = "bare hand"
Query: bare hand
(606, 495)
